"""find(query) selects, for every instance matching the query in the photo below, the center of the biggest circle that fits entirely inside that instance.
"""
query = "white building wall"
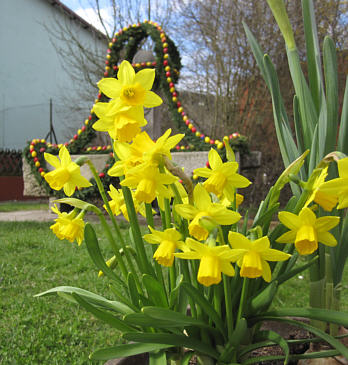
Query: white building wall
(31, 72)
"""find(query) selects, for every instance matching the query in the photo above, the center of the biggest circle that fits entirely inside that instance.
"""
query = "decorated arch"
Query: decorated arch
(125, 44)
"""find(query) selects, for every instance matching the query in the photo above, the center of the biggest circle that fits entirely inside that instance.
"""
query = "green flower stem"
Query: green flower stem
(228, 305)
(113, 243)
(114, 222)
(281, 17)
(149, 215)
(145, 266)
(243, 298)
(150, 222)
(105, 225)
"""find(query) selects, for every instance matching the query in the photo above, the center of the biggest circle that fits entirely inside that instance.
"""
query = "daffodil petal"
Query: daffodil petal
(225, 216)
(189, 255)
(103, 125)
(326, 223)
(289, 220)
(214, 159)
(288, 237)
(116, 170)
(126, 73)
(274, 255)
(227, 268)
(266, 271)
(64, 156)
(261, 244)
(235, 254)
(110, 87)
(343, 167)
(197, 246)
(69, 188)
(307, 217)
(80, 181)
(145, 78)
(52, 160)
(201, 197)
(343, 201)
(229, 192)
(238, 241)
(152, 100)
(187, 211)
(327, 239)
(203, 172)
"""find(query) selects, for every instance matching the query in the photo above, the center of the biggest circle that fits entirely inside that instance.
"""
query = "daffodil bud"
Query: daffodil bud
(282, 19)
(111, 263)
(81, 160)
(207, 223)
(229, 151)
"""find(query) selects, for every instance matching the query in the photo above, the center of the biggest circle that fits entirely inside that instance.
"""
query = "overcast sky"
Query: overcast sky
(85, 11)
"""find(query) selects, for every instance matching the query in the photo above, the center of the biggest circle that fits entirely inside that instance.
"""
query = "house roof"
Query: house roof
(72, 15)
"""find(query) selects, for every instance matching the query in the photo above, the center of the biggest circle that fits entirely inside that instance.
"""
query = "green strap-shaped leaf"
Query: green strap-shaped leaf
(265, 218)
(313, 53)
(96, 255)
(279, 340)
(290, 274)
(157, 358)
(187, 357)
(343, 133)
(340, 252)
(324, 315)
(104, 316)
(130, 349)
(143, 320)
(286, 142)
(77, 203)
(312, 355)
(339, 346)
(176, 319)
(205, 306)
(331, 85)
(173, 339)
(91, 298)
(263, 299)
(314, 154)
(309, 115)
(298, 128)
(155, 291)
(238, 335)
(132, 290)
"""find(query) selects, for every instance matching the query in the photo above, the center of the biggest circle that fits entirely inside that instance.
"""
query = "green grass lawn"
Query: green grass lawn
(46, 330)
(50, 330)
(13, 206)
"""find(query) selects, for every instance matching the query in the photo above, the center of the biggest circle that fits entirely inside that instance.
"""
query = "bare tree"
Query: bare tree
(85, 64)
(220, 62)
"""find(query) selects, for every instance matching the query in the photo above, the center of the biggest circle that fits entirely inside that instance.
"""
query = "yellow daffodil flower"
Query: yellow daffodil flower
(149, 183)
(203, 207)
(142, 150)
(168, 241)
(338, 186)
(252, 256)
(66, 175)
(130, 88)
(118, 205)
(122, 124)
(161, 147)
(222, 178)
(214, 261)
(68, 226)
(325, 200)
(306, 230)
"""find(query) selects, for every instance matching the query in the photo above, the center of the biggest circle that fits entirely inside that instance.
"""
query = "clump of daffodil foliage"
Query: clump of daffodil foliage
(202, 281)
